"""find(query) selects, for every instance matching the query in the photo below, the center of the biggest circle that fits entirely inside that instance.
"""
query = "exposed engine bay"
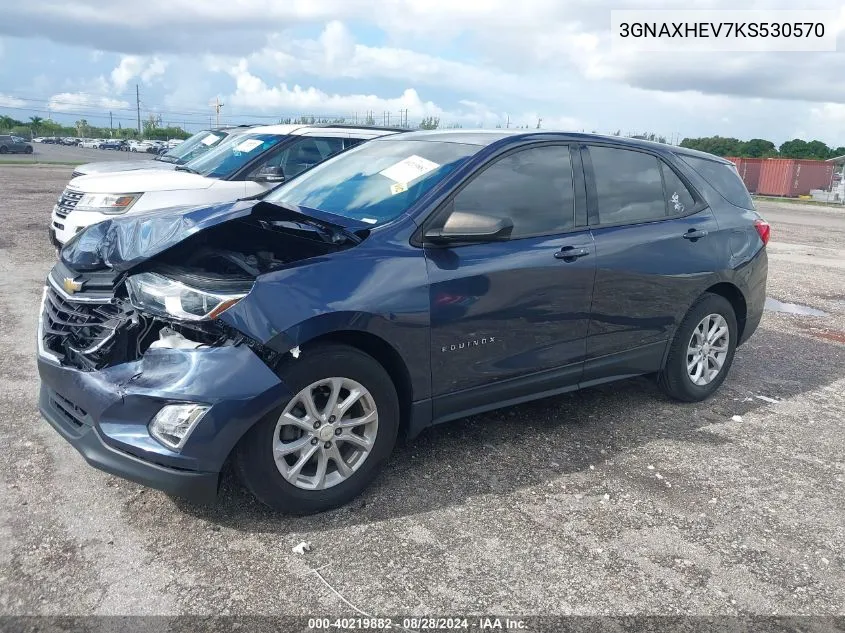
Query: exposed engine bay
(101, 324)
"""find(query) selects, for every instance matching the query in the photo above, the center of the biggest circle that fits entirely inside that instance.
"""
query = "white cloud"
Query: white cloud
(75, 101)
(253, 93)
(336, 54)
(8, 101)
(132, 66)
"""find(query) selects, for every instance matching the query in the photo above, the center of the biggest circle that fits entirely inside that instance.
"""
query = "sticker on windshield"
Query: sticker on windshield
(369, 220)
(398, 187)
(248, 145)
(409, 169)
(210, 139)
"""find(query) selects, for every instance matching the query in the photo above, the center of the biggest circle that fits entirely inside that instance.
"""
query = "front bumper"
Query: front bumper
(104, 414)
(194, 485)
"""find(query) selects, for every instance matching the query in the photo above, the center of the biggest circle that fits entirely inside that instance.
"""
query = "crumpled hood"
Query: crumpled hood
(140, 181)
(111, 166)
(125, 241)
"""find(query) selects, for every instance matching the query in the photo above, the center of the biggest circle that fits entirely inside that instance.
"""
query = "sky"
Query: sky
(473, 63)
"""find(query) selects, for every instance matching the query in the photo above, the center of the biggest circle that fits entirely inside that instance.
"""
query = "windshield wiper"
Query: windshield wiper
(165, 158)
(187, 169)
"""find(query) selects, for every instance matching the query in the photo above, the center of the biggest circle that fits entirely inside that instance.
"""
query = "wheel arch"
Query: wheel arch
(384, 353)
(737, 300)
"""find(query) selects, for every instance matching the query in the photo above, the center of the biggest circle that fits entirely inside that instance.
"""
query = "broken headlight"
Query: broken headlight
(166, 297)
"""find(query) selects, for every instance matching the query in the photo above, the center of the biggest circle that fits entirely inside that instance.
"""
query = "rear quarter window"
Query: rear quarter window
(723, 178)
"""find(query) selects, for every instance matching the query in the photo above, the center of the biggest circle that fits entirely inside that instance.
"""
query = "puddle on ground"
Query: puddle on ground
(773, 305)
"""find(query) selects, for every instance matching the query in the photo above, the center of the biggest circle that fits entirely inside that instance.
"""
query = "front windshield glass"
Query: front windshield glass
(376, 181)
(192, 147)
(228, 157)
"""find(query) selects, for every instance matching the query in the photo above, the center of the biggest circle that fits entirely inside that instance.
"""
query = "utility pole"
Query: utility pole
(539, 121)
(508, 122)
(217, 106)
(111, 125)
(138, 105)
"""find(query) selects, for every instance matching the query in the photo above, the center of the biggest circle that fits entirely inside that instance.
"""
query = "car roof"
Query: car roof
(484, 137)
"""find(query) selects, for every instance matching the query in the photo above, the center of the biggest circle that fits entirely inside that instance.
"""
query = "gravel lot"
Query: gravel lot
(43, 152)
(613, 500)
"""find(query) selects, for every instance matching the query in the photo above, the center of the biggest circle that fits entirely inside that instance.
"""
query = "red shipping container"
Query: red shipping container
(749, 170)
(791, 177)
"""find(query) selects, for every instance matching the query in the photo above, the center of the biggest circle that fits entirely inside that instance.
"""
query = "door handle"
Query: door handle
(694, 234)
(571, 253)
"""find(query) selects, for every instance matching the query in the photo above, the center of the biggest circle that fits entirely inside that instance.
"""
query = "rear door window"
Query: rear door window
(629, 186)
(723, 178)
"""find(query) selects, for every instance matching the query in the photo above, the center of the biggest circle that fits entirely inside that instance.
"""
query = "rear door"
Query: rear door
(510, 318)
(653, 242)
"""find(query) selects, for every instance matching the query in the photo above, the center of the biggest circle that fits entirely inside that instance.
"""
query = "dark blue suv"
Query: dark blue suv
(413, 280)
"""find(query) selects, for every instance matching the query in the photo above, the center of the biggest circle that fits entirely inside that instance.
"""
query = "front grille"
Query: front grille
(76, 174)
(78, 327)
(67, 202)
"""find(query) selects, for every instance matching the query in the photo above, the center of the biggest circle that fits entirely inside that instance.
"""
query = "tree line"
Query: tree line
(762, 148)
(38, 126)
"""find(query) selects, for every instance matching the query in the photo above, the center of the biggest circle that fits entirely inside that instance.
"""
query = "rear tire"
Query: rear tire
(4, 149)
(288, 434)
(696, 366)
(28, 150)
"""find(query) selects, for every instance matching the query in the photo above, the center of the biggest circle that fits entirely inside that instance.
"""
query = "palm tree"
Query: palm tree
(35, 121)
(6, 122)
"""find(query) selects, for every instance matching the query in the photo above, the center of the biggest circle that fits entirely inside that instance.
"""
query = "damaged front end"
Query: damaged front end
(139, 372)
(124, 287)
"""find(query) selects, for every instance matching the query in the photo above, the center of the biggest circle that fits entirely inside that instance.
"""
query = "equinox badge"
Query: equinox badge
(71, 285)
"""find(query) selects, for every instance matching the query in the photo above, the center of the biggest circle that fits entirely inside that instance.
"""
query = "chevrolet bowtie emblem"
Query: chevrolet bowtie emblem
(71, 285)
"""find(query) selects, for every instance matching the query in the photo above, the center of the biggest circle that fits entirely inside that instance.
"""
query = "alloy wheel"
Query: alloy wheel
(708, 349)
(325, 433)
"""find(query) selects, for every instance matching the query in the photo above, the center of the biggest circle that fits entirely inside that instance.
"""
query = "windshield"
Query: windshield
(228, 157)
(192, 147)
(376, 181)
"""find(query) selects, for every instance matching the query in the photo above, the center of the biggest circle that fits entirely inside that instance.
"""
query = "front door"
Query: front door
(513, 315)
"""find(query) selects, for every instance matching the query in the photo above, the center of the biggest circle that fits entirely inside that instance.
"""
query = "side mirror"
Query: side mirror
(470, 227)
(270, 174)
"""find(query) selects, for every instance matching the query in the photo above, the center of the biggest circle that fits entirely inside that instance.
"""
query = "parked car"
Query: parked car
(156, 147)
(114, 144)
(246, 165)
(197, 144)
(69, 141)
(14, 145)
(415, 279)
(92, 143)
(38, 139)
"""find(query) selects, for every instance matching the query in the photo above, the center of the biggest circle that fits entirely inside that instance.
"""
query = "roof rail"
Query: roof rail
(385, 128)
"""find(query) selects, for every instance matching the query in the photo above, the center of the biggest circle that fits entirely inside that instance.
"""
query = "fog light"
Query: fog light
(174, 423)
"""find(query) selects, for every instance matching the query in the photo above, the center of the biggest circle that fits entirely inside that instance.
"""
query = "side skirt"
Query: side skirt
(506, 393)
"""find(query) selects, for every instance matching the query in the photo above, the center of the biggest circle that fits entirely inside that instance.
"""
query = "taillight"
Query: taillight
(764, 230)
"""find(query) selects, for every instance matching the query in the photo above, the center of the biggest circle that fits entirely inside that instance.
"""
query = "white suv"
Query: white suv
(181, 153)
(243, 165)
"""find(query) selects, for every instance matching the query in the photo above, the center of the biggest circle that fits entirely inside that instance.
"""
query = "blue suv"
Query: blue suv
(415, 279)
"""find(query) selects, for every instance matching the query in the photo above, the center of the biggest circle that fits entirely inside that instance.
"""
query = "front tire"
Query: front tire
(328, 442)
(702, 351)
(28, 150)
